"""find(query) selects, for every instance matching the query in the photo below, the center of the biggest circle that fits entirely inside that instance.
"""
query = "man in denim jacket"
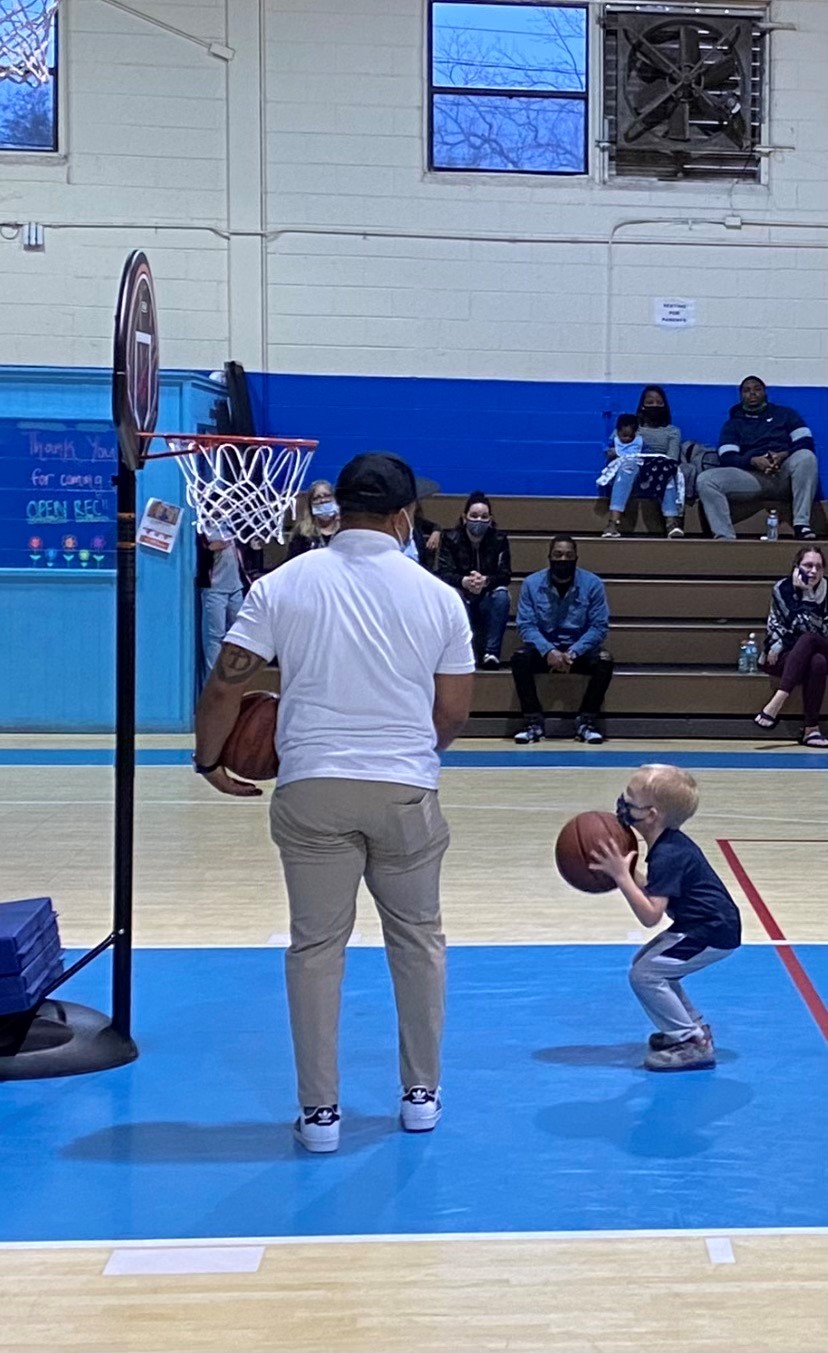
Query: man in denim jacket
(563, 619)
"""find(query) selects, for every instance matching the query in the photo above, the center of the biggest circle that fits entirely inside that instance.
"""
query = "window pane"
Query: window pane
(473, 131)
(27, 107)
(509, 47)
(27, 116)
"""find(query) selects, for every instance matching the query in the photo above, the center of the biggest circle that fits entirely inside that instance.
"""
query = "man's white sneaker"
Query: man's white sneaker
(317, 1128)
(420, 1109)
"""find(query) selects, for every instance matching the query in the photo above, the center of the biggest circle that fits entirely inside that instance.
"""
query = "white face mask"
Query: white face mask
(405, 545)
(325, 511)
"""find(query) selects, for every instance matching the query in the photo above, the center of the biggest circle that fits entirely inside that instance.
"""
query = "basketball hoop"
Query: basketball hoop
(241, 488)
(25, 36)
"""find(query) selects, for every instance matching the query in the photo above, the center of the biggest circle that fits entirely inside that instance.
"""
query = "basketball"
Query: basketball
(250, 751)
(576, 842)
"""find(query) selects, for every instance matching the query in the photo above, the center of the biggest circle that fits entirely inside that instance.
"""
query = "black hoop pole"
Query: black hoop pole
(124, 754)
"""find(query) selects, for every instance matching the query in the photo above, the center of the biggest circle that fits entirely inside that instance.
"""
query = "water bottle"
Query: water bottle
(751, 655)
(742, 668)
(773, 525)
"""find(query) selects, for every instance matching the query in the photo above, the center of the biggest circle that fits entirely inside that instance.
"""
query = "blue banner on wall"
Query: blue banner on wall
(57, 501)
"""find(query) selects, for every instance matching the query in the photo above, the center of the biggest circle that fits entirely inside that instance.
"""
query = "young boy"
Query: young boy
(706, 925)
(624, 472)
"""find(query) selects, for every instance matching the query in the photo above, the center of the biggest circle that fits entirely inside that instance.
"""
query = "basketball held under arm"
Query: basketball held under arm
(218, 709)
(452, 704)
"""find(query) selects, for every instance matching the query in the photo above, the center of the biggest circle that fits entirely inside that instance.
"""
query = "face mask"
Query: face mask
(406, 544)
(562, 570)
(477, 529)
(654, 417)
(325, 511)
(624, 811)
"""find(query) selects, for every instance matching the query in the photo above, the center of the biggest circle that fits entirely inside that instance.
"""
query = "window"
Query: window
(508, 87)
(683, 93)
(28, 103)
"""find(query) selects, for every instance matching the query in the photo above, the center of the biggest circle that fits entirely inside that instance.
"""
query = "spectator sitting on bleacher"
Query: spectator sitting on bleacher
(475, 558)
(658, 431)
(563, 619)
(766, 452)
(633, 466)
(796, 643)
(319, 522)
(424, 545)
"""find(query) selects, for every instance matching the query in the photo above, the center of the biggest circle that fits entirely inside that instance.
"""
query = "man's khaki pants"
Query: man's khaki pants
(331, 834)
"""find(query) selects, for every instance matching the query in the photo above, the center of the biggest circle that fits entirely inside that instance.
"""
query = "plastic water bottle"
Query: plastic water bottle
(773, 525)
(751, 655)
(743, 647)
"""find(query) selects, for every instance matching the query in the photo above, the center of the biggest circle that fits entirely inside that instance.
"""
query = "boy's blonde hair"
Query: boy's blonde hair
(671, 790)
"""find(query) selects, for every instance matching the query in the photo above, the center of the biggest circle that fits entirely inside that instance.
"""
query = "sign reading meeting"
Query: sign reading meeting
(57, 502)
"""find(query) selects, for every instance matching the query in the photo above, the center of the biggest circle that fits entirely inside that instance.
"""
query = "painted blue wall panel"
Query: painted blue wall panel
(60, 673)
(521, 437)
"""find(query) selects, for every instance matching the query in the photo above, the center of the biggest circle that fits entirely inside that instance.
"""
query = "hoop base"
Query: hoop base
(63, 1039)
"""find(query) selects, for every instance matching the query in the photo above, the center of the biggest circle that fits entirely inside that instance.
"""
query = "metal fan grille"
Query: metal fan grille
(683, 138)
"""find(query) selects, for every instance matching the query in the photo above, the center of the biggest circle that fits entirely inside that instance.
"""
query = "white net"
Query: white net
(26, 40)
(240, 491)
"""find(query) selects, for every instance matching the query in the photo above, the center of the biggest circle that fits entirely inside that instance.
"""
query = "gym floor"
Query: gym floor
(568, 1201)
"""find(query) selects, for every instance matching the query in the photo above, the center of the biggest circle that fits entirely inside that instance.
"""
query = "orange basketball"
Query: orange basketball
(576, 842)
(250, 750)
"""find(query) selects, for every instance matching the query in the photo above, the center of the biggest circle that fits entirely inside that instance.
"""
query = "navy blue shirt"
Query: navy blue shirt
(699, 903)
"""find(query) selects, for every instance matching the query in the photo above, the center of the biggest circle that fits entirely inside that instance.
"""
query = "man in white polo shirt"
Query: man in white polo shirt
(376, 670)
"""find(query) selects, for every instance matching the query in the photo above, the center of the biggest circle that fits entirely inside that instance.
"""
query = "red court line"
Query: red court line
(788, 957)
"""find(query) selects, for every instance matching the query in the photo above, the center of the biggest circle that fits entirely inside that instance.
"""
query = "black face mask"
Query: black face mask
(562, 570)
(654, 417)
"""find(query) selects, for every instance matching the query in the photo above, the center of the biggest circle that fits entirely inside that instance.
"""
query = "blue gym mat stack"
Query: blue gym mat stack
(30, 953)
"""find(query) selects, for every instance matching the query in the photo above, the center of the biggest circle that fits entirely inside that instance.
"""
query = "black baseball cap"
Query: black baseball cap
(376, 483)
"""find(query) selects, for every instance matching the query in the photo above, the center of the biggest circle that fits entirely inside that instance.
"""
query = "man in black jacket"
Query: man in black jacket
(766, 451)
(475, 558)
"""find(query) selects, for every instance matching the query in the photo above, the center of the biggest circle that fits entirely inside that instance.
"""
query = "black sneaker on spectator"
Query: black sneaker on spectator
(587, 732)
(674, 529)
(317, 1127)
(612, 532)
(491, 661)
(533, 732)
(804, 533)
(420, 1109)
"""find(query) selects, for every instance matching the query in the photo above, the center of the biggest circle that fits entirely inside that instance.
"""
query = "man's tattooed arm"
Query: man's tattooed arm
(221, 698)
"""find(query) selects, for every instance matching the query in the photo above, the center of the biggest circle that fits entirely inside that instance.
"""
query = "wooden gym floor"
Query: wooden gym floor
(568, 1201)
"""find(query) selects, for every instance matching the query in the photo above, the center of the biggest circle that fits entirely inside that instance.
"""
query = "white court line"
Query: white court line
(720, 1250)
(432, 1237)
(130, 1261)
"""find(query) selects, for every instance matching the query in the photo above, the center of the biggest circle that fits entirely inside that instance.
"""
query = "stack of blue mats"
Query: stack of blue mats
(30, 953)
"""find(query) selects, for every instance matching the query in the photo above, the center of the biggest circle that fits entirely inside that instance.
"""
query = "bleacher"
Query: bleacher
(680, 609)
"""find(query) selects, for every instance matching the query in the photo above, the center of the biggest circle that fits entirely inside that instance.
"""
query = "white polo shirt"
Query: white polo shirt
(359, 631)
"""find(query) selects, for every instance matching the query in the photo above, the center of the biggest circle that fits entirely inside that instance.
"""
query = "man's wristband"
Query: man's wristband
(204, 770)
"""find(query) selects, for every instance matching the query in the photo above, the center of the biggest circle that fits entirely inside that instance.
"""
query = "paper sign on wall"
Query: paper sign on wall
(160, 525)
(674, 314)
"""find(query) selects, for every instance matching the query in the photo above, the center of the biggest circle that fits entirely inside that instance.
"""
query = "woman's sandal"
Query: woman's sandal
(813, 739)
(766, 721)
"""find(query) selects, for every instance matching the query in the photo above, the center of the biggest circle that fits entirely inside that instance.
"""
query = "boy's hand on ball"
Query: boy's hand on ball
(608, 859)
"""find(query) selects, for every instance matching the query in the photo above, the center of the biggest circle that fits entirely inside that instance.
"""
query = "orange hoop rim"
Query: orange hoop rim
(200, 442)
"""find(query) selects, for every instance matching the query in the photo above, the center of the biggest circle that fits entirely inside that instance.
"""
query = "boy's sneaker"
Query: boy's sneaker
(420, 1109)
(691, 1055)
(491, 661)
(587, 732)
(658, 1042)
(317, 1128)
(533, 732)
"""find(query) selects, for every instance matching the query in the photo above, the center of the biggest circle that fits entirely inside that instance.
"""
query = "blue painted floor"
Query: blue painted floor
(771, 758)
(550, 1124)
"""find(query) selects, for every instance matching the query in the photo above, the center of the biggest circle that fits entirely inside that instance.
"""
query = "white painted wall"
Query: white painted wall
(346, 149)
(224, 170)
